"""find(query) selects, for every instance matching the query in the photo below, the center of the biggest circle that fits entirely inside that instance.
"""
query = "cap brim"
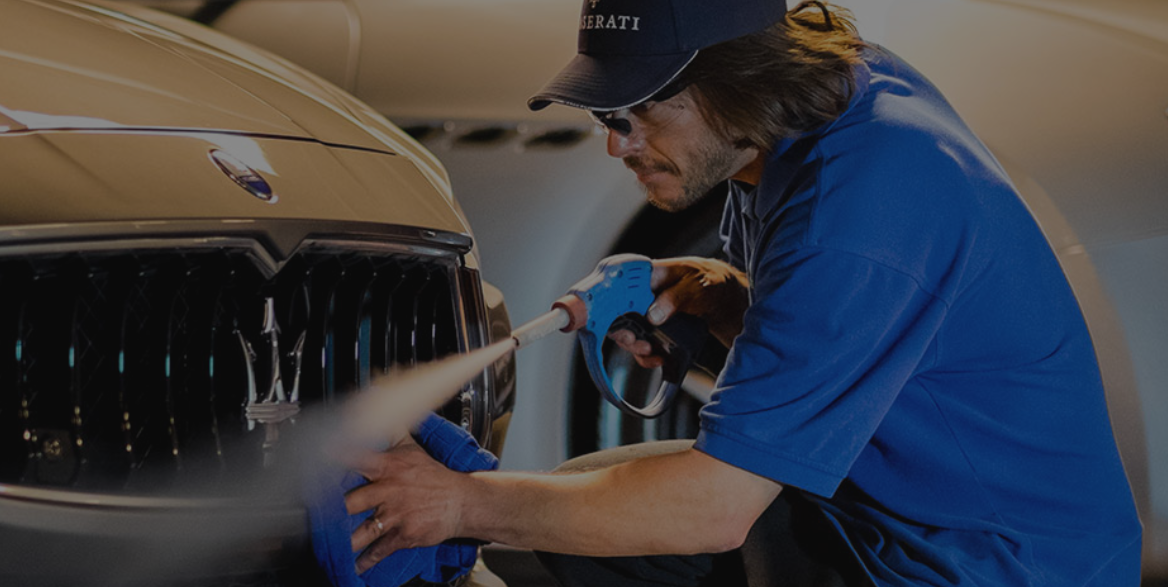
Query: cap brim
(598, 82)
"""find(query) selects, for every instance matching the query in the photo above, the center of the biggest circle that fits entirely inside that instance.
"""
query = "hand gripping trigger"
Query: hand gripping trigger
(620, 286)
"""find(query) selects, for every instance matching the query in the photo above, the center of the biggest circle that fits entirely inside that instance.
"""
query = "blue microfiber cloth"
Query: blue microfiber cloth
(332, 526)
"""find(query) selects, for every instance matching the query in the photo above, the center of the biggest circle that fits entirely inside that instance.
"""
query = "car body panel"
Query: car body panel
(220, 92)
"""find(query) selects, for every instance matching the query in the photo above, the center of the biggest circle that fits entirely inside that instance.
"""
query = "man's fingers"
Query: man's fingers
(659, 312)
(378, 550)
(662, 308)
(630, 343)
(624, 338)
(365, 497)
(369, 530)
(366, 463)
(677, 283)
(666, 271)
(650, 361)
(662, 274)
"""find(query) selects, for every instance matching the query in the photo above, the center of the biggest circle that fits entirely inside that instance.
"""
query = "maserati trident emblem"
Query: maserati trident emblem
(246, 177)
(279, 401)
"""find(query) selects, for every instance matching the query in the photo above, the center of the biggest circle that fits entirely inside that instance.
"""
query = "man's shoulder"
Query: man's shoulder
(904, 189)
(897, 106)
(903, 154)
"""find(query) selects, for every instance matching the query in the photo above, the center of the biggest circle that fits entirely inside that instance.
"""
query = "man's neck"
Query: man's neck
(752, 172)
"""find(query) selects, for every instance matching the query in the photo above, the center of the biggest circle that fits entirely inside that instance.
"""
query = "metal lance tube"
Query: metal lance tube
(553, 321)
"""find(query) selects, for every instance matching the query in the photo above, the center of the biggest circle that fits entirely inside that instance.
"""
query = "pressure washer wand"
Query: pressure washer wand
(553, 321)
(568, 314)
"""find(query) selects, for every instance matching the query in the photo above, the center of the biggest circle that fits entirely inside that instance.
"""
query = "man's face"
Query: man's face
(675, 153)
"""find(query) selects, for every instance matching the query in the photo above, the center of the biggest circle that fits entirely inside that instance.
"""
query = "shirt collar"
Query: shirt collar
(758, 207)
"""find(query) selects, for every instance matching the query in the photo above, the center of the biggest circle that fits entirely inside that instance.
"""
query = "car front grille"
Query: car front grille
(139, 369)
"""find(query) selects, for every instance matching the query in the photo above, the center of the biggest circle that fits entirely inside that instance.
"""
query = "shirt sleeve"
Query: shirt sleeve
(830, 339)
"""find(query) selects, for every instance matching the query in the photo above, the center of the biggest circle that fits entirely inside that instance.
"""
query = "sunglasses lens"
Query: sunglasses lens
(612, 122)
(622, 126)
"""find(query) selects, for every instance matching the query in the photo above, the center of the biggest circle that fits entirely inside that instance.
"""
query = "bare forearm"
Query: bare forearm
(672, 504)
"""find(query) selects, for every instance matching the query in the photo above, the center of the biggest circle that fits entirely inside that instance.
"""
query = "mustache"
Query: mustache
(640, 164)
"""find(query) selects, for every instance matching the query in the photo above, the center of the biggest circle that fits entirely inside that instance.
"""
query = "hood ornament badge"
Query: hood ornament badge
(246, 177)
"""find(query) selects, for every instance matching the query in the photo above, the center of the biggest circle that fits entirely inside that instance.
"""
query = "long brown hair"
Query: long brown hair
(785, 80)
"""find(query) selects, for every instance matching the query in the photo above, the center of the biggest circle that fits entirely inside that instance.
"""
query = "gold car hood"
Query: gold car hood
(116, 113)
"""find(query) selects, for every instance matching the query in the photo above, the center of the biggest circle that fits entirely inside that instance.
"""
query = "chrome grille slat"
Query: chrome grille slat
(92, 330)
(324, 280)
(25, 359)
(152, 445)
(384, 346)
(49, 401)
(173, 361)
(363, 341)
(129, 365)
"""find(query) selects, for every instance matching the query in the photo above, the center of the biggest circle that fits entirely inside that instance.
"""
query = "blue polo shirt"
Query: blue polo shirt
(914, 357)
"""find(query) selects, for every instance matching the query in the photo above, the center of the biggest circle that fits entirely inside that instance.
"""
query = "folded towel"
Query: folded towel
(332, 526)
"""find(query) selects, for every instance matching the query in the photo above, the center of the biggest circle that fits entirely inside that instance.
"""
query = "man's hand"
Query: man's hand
(416, 501)
(707, 288)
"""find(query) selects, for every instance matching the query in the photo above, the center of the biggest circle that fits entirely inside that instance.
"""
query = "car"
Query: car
(203, 247)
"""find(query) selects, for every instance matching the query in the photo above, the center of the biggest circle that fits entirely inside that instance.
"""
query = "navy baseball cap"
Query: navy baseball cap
(628, 50)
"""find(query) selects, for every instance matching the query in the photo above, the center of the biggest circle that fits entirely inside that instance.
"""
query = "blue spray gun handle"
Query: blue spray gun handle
(618, 293)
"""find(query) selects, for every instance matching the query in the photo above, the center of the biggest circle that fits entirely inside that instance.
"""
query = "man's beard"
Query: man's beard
(711, 165)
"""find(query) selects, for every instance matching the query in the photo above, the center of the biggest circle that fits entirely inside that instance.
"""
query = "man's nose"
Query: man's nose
(623, 145)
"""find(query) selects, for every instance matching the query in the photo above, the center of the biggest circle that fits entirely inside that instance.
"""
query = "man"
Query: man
(909, 372)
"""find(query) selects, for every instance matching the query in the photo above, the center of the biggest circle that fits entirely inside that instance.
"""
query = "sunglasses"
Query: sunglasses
(618, 120)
